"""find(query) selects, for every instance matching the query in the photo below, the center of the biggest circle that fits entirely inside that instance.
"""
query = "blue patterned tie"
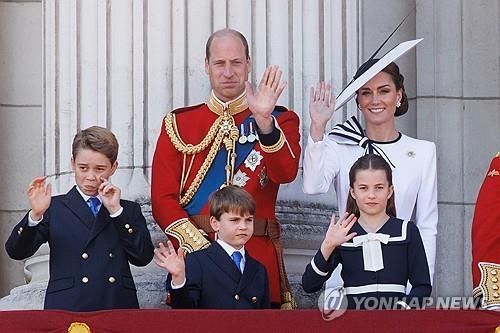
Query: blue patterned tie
(237, 259)
(94, 203)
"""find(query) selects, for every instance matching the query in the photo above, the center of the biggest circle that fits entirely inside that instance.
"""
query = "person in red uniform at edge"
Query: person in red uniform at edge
(240, 137)
(486, 239)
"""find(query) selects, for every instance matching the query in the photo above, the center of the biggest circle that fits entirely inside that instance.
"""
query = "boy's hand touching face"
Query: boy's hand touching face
(39, 196)
(173, 262)
(110, 195)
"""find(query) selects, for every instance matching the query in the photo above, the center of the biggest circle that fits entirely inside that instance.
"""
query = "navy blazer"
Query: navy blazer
(404, 260)
(214, 282)
(89, 256)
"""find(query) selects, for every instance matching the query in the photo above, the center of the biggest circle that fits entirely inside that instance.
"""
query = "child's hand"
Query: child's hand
(39, 196)
(110, 195)
(336, 234)
(173, 262)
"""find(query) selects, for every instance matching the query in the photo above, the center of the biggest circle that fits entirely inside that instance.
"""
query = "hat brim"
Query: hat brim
(391, 56)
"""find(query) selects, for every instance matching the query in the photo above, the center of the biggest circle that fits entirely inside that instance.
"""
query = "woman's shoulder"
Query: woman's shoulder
(417, 142)
(418, 146)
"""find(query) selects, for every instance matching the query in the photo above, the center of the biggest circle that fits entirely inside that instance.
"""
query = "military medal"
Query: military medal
(251, 135)
(240, 179)
(263, 179)
(243, 138)
(253, 159)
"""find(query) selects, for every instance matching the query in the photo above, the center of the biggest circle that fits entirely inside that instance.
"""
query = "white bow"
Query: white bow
(372, 251)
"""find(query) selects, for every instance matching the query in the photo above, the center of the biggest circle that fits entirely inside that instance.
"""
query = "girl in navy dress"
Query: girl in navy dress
(379, 253)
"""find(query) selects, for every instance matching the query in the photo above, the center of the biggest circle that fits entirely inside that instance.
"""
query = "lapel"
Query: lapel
(220, 258)
(74, 201)
(251, 267)
(95, 225)
(101, 221)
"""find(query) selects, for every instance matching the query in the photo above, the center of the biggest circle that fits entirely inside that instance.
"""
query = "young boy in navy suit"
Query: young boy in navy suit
(93, 235)
(224, 275)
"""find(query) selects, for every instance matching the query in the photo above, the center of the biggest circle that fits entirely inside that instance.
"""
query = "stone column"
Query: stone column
(21, 122)
(458, 108)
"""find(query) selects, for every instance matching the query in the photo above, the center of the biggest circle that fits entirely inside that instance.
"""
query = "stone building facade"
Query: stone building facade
(123, 64)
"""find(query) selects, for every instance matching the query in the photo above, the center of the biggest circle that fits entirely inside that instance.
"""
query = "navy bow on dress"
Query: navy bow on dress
(352, 131)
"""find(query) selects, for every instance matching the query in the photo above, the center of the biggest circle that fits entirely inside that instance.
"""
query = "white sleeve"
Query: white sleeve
(320, 165)
(31, 222)
(427, 208)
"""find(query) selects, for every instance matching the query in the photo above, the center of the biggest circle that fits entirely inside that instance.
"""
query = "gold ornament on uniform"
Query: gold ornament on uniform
(190, 238)
(288, 302)
(277, 146)
(223, 131)
(230, 132)
(79, 328)
(490, 284)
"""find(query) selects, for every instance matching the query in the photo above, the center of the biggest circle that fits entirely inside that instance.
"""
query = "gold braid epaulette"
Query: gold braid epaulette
(213, 135)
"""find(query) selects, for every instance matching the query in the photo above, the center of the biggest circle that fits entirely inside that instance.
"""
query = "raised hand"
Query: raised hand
(173, 262)
(321, 108)
(39, 196)
(337, 234)
(110, 195)
(263, 100)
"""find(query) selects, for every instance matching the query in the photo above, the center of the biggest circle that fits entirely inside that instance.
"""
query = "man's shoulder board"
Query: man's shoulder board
(187, 108)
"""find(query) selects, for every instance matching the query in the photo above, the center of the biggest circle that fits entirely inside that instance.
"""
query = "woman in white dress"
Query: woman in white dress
(328, 158)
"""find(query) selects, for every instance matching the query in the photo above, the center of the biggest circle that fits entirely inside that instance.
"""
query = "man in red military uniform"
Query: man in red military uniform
(486, 239)
(239, 136)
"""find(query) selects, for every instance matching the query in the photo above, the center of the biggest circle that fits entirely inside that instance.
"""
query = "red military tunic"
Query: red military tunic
(275, 168)
(486, 237)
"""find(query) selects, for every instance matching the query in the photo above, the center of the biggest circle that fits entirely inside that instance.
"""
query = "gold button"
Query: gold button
(494, 287)
(85, 255)
(496, 295)
(127, 226)
(85, 279)
(130, 231)
(112, 279)
(494, 272)
(237, 297)
(110, 254)
(494, 279)
(254, 299)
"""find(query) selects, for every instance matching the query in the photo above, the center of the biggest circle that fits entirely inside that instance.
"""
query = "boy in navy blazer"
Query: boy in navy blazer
(224, 275)
(93, 235)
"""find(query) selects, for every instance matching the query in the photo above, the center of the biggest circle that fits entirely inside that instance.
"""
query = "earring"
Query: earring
(398, 104)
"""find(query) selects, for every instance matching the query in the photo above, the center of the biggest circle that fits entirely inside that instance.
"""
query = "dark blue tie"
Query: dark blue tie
(237, 259)
(94, 203)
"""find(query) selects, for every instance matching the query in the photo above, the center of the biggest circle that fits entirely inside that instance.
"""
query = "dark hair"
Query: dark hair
(224, 32)
(370, 162)
(231, 199)
(393, 70)
(98, 139)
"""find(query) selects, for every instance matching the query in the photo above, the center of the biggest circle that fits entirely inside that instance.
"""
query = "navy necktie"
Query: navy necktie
(237, 259)
(94, 203)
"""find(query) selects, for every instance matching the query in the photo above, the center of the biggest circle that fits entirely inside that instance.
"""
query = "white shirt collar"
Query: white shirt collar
(229, 249)
(86, 197)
